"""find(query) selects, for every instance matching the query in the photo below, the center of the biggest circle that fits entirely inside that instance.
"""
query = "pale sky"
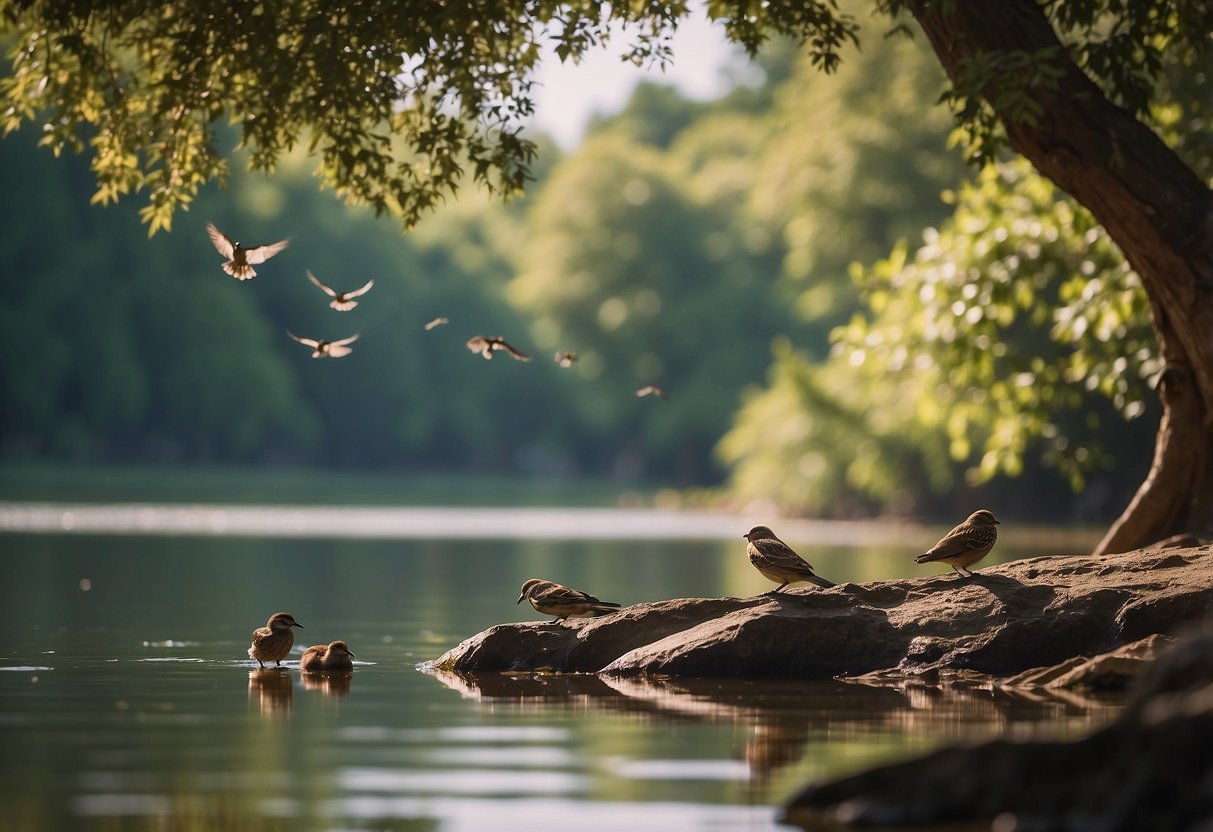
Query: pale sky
(567, 94)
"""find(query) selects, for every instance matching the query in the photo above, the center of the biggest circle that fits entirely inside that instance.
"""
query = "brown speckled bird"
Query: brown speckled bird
(551, 598)
(239, 257)
(327, 349)
(272, 642)
(335, 655)
(777, 561)
(486, 346)
(342, 301)
(966, 544)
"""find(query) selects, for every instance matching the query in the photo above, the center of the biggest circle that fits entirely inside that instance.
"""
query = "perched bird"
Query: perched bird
(327, 349)
(650, 390)
(966, 544)
(342, 301)
(566, 359)
(272, 642)
(240, 257)
(437, 322)
(487, 346)
(776, 560)
(335, 656)
(551, 598)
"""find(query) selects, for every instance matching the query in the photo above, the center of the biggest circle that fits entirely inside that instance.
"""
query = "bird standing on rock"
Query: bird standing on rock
(551, 598)
(966, 544)
(777, 561)
(335, 655)
(272, 642)
(239, 257)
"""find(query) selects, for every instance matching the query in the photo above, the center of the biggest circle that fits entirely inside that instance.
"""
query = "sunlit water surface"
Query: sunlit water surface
(128, 701)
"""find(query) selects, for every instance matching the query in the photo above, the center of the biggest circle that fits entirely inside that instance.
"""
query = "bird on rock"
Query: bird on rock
(777, 561)
(966, 544)
(551, 598)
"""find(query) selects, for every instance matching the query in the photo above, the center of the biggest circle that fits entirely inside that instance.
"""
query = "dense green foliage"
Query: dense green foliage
(684, 244)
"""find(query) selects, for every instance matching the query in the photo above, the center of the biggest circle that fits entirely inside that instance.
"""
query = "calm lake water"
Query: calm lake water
(129, 702)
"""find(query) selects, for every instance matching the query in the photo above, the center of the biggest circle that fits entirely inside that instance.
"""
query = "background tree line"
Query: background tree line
(762, 257)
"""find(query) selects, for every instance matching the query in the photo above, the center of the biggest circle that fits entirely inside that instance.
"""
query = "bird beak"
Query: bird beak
(997, 522)
(297, 624)
(352, 656)
(520, 597)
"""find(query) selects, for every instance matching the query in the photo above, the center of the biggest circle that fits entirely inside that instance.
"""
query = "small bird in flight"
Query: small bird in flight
(650, 390)
(342, 301)
(327, 349)
(487, 346)
(777, 561)
(966, 544)
(437, 322)
(551, 598)
(566, 359)
(240, 257)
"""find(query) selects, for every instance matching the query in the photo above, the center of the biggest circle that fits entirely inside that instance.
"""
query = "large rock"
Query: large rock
(1150, 769)
(1006, 620)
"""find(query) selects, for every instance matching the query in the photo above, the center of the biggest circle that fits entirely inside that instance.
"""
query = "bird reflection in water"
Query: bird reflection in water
(273, 689)
(329, 682)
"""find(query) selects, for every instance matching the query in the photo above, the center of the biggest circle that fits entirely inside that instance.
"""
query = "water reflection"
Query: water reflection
(152, 716)
(334, 683)
(272, 689)
(781, 718)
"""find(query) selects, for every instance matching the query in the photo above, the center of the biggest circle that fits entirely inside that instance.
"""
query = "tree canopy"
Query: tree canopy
(404, 103)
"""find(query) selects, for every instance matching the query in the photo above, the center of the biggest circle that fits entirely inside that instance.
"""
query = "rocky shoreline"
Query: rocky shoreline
(1009, 619)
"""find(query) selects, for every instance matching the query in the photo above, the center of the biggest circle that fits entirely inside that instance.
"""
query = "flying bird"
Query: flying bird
(650, 390)
(272, 642)
(966, 544)
(566, 359)
(437, 322)
(327, 349)
(240, 257)
(342, 301)
(777, 561)
(487, 346)
(551, 598)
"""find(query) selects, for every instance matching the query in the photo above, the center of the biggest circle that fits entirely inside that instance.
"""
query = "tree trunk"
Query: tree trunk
(1156, 210)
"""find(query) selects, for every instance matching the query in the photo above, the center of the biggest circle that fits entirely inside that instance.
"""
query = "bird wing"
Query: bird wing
(306, 341)
(771, 552)
(559, 595)
(437, 322)
(345, 341)
(260, 633)
(316, 280)
(956, 542)
(359, 292)
(500, 344)
(223, 243)
(259, 254)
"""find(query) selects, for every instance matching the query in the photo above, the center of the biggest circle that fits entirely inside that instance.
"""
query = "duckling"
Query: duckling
(336, 656)
(272, 642)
